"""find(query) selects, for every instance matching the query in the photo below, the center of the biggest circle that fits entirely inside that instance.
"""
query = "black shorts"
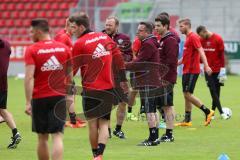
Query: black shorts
(132, 80)
(120, 96)
(189, 81)
(165, 97)
(98, 104)
(213, 80)
(48, 114)
(3, 99)
(148, 99)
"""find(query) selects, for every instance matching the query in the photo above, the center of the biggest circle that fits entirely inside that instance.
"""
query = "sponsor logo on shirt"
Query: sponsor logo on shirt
(209, 49)
(52, 64)
(50, 50)
(100, 51)
(95, 39)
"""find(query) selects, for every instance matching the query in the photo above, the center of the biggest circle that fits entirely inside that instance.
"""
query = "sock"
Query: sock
(109, 131)
(205, 109)
(188, 116)
(118, 127)
(14, 131)
(157, 133)
(152, 133)
(169, 132)
(129, 109)
(72, 118)
(101, 148)
(94, 151)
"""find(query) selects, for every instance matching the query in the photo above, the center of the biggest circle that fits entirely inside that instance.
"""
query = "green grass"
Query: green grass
(196, 143)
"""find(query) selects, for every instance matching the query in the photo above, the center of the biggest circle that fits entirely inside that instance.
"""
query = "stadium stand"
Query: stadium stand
(15, 16)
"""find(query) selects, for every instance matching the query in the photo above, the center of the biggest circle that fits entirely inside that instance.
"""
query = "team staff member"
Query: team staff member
(95, 54)
(124, 44)
(214, 49)
(168, 52)
(192, 54)
(146, 67)
(5, 51)
(46, 105)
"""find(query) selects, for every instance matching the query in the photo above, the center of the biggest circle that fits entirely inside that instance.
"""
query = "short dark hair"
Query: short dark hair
(164, 20)
(200, 29)
(148, 26)
(80, 19)
(41, 24)
(186, 21)
(163, 13)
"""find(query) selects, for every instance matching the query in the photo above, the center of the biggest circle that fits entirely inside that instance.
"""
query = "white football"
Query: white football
(227, 111)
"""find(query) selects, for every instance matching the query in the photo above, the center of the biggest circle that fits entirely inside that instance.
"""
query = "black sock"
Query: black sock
(129, 109)
(94, 151)
(72, 118)
(118, 127)
(169, 132)
(205, 109)
(157, 133)
(109, 131)
(14, 131)
(188, 116)
(152, 133)
(101, 148)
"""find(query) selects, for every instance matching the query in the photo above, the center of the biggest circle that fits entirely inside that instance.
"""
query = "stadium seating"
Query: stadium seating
(16, 15)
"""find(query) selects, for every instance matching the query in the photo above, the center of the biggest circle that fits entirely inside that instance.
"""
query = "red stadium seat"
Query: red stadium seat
(2, 22)
(50, 14)
(37, 6)
(6, 14)
(26, 23)
(53, 22)
(64, 6)
(15, 14)
(55, 6)
(46, 6)
(14, 31)
(18, 22)
(3, 6)
(61, 22)
(9, 23)
(23, 14)
(11, 6)
(23, 31)
(32, 14)
(41, 14)
(29, 6)
(58, 14)
(4, 31)
(20, 6)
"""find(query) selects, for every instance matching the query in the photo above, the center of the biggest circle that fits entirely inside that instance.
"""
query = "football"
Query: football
(227, 111)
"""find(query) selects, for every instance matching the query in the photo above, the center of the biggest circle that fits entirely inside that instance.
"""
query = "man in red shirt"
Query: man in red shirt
(192, 54)
(5, 51)
(45, 96)
(213, 46)
(95, 54)
(64, 37)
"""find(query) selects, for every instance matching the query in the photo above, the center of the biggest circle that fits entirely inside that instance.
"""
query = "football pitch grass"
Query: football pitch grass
(195, 143)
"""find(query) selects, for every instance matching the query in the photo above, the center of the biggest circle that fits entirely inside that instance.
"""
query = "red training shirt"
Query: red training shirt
(94, 54)
(47, 56)
(191, 56)
(64, 38)
(214, 50)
